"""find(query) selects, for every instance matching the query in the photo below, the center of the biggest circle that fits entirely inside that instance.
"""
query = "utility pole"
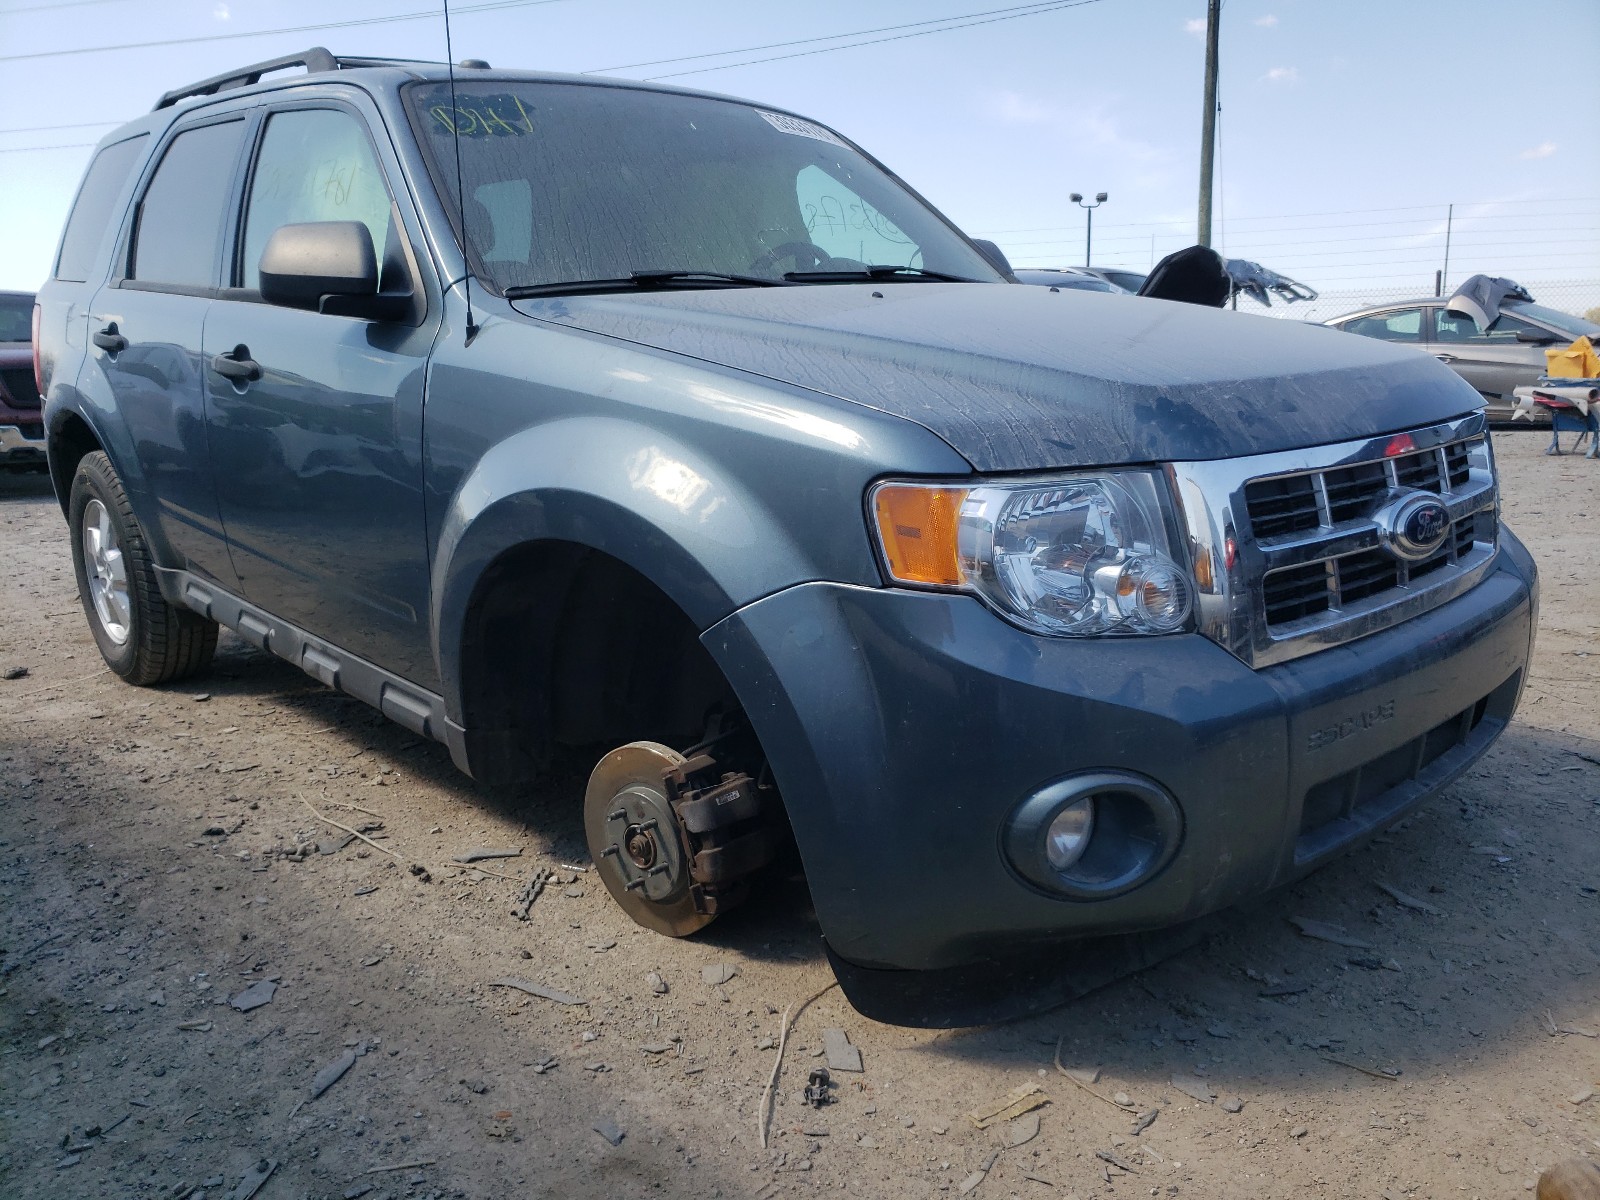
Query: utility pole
(1208, 126)
(1449, 224)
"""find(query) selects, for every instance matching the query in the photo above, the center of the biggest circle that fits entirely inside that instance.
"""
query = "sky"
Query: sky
(1348, 129)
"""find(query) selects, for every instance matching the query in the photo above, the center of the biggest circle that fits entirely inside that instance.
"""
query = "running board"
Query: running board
(403, 702)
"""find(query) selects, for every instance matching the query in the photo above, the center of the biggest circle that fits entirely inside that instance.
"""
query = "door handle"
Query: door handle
(237, 365)
(110, 340)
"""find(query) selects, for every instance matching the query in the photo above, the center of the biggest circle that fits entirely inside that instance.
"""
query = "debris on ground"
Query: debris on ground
(1022, 1130)
(536, 989)
(718, 974)
(1115, 1160)
(254, 1179)
(1388, 1076)
(1405, 901)
(1283, 989)
(978, 1176)
(817, 1087)
(1195, 1089)
(1146, 1119)
(1023, 1098)
(257, 994)
(1232, 1105)
(332, 1073)
(842, 1056)
(658, 985)
(1325, 931)
(530, 892)
(484, 853)
(14, 673)
(1582, 1096)
(609, 1131)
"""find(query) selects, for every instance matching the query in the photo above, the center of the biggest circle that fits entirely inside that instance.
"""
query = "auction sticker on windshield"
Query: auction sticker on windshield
(795, 125)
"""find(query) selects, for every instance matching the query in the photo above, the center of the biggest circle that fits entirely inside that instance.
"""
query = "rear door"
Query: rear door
(319, 457)
(145, 340)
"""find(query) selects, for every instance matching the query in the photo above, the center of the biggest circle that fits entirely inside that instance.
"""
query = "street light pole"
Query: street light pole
(1088, 237)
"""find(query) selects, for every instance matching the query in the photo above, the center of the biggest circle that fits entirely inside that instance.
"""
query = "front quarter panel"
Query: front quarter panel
(717, 486)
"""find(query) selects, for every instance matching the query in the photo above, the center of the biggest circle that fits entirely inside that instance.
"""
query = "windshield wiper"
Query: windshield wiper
(874, 274)
(640, 281)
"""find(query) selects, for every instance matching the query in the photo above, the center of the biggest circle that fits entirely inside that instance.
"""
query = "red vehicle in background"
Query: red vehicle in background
(21, 424)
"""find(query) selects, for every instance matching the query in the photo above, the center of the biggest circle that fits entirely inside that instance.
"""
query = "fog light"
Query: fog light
(1093, 836)
(1069, 834)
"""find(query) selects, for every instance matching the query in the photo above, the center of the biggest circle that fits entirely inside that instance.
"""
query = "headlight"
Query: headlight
(1078, 555)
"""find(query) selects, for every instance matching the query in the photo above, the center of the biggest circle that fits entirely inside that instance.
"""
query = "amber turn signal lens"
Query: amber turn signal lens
(917, 528)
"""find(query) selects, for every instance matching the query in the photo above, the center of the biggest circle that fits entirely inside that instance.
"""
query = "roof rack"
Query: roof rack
(315, 60)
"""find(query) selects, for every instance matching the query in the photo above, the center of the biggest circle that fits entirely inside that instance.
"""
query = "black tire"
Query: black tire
(143, 639)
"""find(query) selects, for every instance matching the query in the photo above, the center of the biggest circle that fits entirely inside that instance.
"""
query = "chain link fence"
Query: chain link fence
(1576, 296)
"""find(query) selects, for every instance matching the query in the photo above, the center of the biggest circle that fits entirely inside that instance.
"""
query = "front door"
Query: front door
(318, 458)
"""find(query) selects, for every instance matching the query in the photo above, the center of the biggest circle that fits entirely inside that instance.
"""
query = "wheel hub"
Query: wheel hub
(106, 572)
(635, 839)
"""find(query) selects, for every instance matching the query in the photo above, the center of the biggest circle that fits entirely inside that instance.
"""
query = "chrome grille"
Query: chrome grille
(1288, 546)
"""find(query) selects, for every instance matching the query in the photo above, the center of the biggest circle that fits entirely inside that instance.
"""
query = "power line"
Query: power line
(6, 12)
(46, 128)
(430, 14)
(1342, 212)
(830, 37)
(899, 37)
(27, 149)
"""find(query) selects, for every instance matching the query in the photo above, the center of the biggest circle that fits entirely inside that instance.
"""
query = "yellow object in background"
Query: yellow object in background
(1577, 361)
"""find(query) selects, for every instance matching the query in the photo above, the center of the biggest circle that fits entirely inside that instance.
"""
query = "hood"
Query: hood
(1020, 378)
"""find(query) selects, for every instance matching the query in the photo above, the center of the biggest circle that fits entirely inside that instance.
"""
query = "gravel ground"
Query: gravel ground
(161, 855)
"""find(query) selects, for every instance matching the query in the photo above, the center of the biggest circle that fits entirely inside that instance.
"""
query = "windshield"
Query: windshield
(1577, 327)
(16, 318)
(572, 182)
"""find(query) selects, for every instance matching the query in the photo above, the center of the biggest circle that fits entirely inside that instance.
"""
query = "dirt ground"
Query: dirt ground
(160, 856)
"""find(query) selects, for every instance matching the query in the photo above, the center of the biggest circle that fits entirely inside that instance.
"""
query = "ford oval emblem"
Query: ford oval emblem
(1413, 526)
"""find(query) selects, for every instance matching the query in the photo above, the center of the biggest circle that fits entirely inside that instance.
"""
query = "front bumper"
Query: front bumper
(17, 446)
(903, 728)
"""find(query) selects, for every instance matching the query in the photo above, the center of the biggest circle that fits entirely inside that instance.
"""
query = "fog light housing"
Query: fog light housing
(1094, 836)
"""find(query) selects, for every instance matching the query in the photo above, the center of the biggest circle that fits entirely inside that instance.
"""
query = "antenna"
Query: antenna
(461, 195)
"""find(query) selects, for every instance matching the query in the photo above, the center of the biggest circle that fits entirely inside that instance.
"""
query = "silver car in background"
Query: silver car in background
(1496, 360)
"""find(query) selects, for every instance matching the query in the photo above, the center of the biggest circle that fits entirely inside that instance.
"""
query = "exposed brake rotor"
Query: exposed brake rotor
(635, 839)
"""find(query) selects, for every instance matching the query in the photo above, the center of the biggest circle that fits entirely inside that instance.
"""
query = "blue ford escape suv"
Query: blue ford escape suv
(549, 412)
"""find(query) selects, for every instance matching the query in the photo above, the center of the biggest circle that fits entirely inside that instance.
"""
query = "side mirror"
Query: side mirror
(996, 256)
(1536, 338)
(328, 267)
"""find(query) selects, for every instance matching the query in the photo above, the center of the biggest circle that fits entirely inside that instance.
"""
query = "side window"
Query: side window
(1453, 326)
(184, 208)
(315, 164)
(91, 211)
(844, 225)
(1458, 327)
(1402, 325)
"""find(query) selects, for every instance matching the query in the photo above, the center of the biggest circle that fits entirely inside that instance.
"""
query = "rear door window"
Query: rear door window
(184, 209)
(91, 212)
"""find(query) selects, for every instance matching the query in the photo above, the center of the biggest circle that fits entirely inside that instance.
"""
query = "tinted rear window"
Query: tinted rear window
(91, 212)
(185, 207)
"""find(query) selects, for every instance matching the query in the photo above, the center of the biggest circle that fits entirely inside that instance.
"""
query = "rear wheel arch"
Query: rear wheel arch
(70, 439)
